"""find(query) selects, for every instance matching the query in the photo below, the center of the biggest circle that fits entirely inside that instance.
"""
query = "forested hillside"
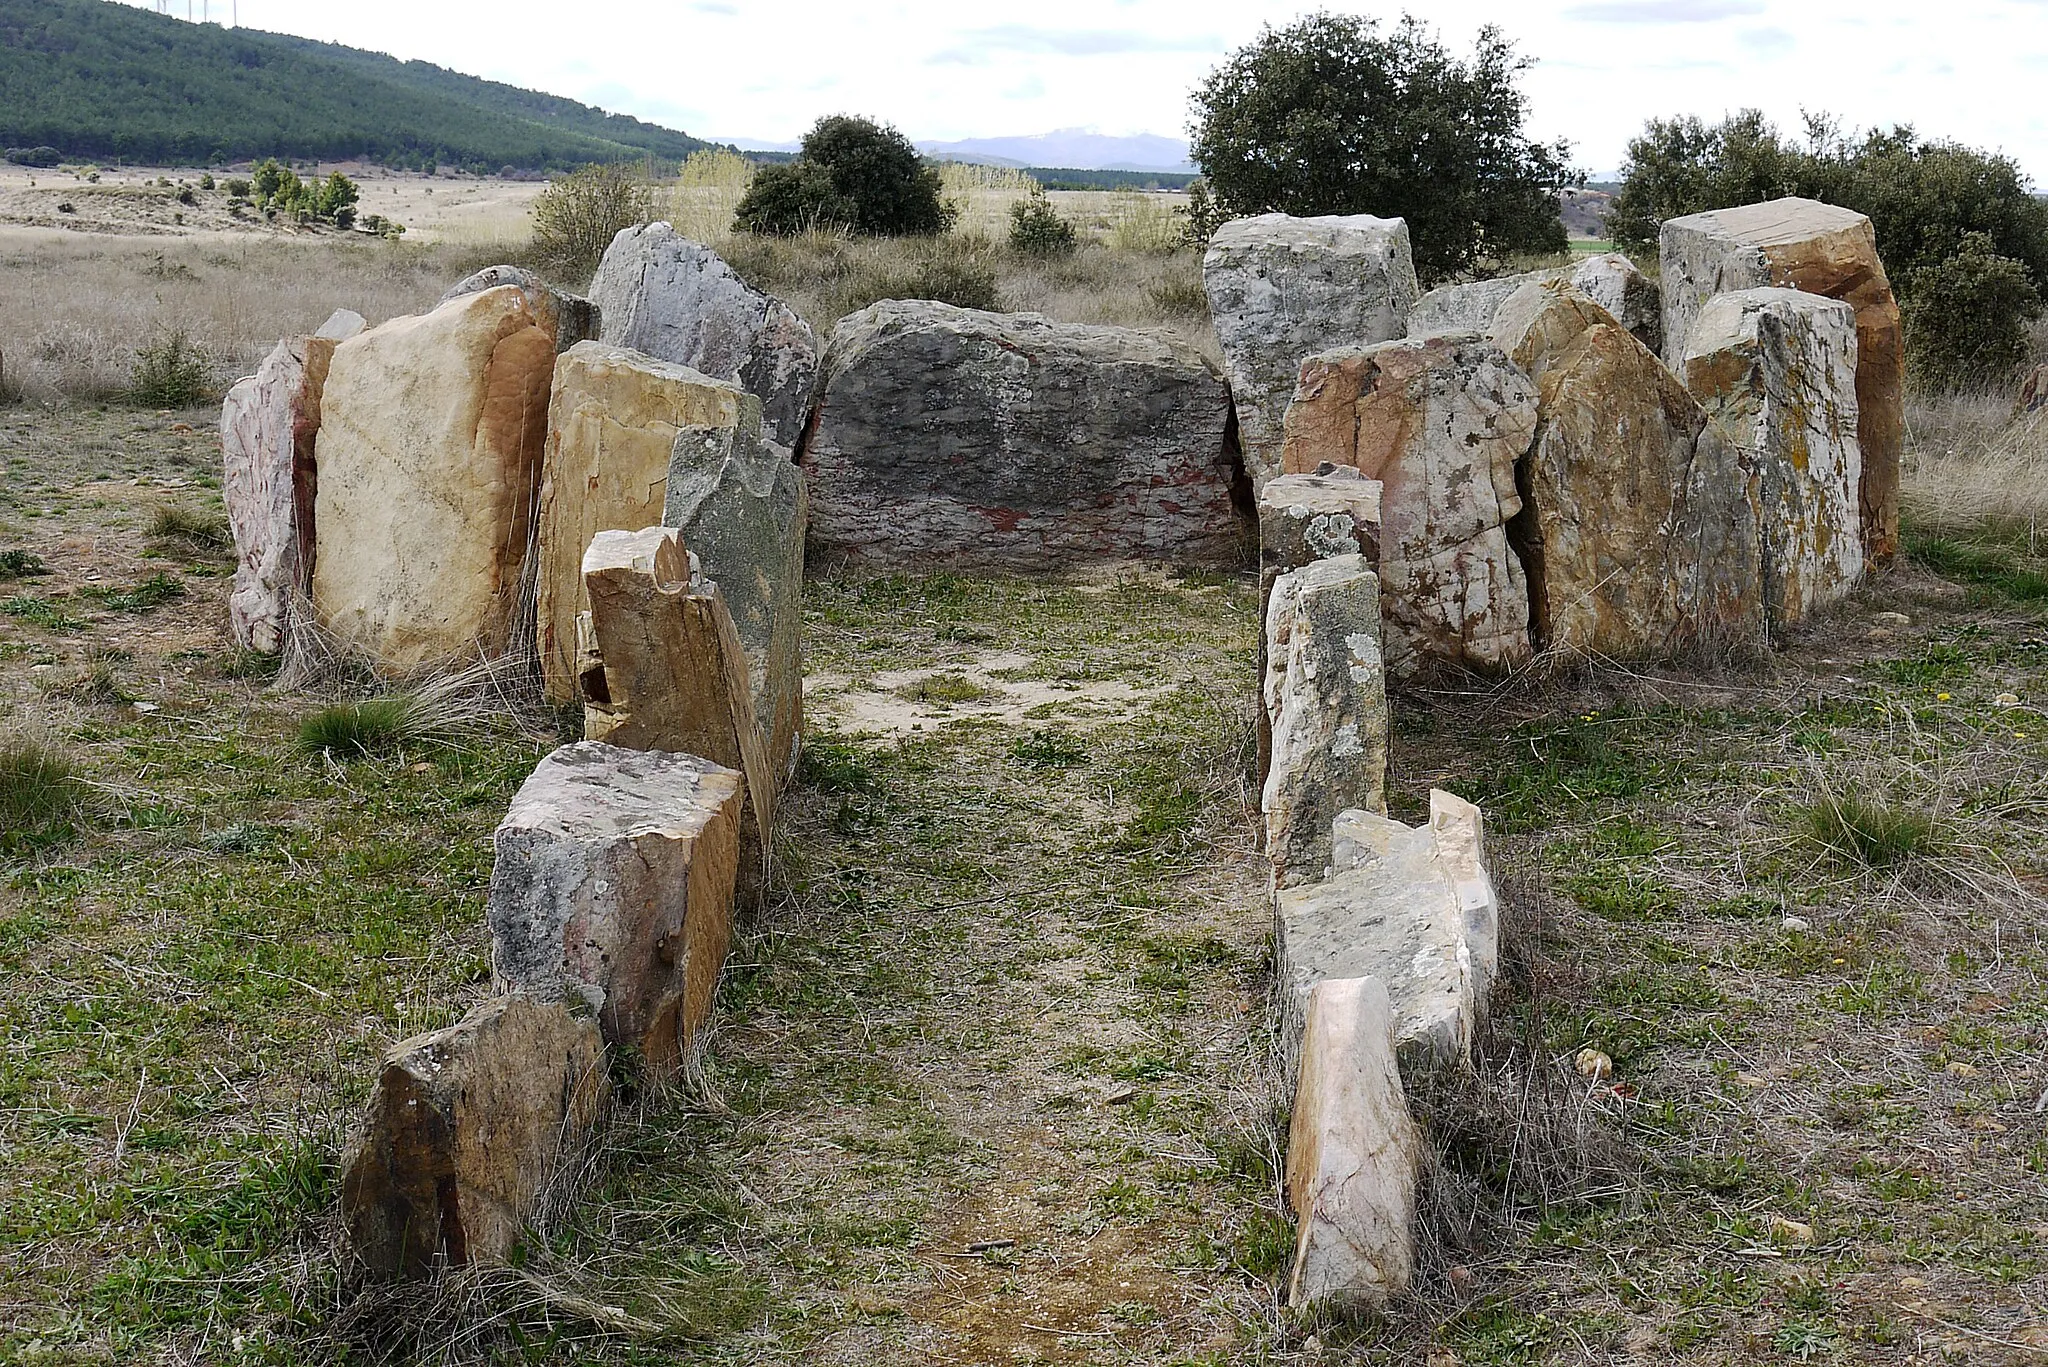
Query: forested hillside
(106, 81)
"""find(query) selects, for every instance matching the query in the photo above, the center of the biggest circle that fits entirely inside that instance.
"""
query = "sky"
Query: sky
(1972, 70)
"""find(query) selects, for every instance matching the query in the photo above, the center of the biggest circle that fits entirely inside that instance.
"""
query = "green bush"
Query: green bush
(957, 278)
(173, 371)
(374, 726)
(1967, 316)
(1332, 116)
(577, 217)
(854, 174)
(1963, 237)
(20, 564)
(1038, 229)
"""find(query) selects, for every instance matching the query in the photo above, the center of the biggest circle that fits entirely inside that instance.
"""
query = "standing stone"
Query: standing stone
(571, 318)
(613, 885)
(429, 453)
(1354, 1155)
(663, 669)
(1309, 517)
(1282, 289)
(466, 1132)
(1414, 908)
(658, 292)
(1637, 530)
(267, 429)
(743, 511)
(1326, 704)
(1776, 368)
(1440, 422)
(950, 438)
(1803, 244)
(1610, 280)
(613, 422)
(1613, 282)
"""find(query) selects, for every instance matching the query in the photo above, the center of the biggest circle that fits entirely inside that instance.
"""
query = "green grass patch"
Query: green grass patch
(1874, 832)
(40, 612)
(2006, 570)
(945, 689)
(146, 596)
(19, 564)
(372, 726)
(41, 796)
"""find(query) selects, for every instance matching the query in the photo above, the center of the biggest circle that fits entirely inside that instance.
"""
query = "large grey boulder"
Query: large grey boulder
(1354, 1155)
(1776, 369)
(953, 438)
(1822, 249)
(1440, 422)
(1326, 707)
(1282, 289)
(743, 511)
(1414, 907)
(677, 300)
(613, 886)
(570, 317)
(467, 1132)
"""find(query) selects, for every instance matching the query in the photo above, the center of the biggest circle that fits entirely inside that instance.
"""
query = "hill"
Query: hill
(1079, 148)
(104, 81)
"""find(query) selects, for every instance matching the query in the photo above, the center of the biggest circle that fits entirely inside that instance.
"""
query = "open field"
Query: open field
(1009, 985)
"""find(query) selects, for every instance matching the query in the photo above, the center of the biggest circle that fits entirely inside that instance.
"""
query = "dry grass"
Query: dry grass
(75, 309)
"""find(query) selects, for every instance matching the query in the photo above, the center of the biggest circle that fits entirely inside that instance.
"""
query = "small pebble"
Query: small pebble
(1594, 1064)
(1796, 924)
(1961, 1070)
(1791, 1231)
(1892, 619)
(2006, 700)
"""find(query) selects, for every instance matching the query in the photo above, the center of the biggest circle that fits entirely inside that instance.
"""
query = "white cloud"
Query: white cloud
(941, 70)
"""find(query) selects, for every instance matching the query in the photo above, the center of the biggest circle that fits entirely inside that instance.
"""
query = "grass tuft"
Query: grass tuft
(205, 531)
(370, 726)
(1870, 831)
(945, 689)
(41, 796)
(173, 371)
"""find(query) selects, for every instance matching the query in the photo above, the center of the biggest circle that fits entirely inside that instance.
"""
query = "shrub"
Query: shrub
(577, 217)
(1967, 316)
(206, 181)
(1038, 229)
(19, 564)
(40, 796)
(1331, 116)
(1200, 217)
(1179, 294)
(238, 187)
(41, 158)
(854, 173)
(173, 371)
(949, 277)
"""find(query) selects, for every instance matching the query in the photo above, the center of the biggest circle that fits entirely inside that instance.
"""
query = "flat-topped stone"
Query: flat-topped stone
(1414, 907)
(1282, 289)
(1821, 249)
(571, 318)
(613, 886)
(955, 438)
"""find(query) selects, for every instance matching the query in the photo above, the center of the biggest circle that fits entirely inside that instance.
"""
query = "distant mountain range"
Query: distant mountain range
(96, 80)
(1077, 149)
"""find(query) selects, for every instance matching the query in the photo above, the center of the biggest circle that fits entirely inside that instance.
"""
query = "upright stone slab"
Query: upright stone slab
(613, 885)
(1326, 704)
(465, 1133)
(950, 438)
(1440, 422)
(571, 318)
(1302, 518)
(1354, 1155)
(1776, 368)
(662, 667)
(1803, 244)
(429, 452)
(613, 422)
(1282, 289)
(1637, 530)
(1610, 280)
(743, 511)
(1412, 907)
(661, 293)
(268, 424)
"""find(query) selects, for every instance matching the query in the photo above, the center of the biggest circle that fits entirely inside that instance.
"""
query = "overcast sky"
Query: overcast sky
(1975, 70)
